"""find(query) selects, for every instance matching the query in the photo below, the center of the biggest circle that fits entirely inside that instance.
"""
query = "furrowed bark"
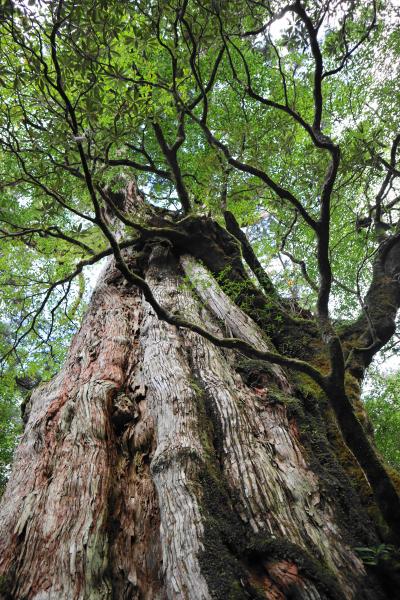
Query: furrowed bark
(175, 465)
(269, 470)
(150, 468)
(56, 513)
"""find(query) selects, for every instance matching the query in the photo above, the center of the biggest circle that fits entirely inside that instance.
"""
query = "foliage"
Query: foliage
(122, 84)
(382, 401)
(374, 556)
(10, 428)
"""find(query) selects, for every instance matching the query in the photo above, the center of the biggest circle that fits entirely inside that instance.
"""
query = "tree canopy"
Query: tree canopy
(382, 402)
(280, 120)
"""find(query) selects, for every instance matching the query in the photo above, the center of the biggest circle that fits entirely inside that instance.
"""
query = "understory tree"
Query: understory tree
(228, 171)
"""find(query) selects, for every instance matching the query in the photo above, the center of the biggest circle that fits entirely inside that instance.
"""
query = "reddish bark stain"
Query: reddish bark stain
(285, 574)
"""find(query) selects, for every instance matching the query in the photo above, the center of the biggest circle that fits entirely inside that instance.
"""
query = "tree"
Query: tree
(204, 437)
(382, 403)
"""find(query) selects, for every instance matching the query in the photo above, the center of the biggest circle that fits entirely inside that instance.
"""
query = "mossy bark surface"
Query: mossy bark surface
(156, 465)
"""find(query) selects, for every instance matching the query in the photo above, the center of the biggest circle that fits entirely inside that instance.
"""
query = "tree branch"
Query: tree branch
(249, 255)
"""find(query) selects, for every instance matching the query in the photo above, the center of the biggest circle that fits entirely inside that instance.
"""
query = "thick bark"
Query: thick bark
(150, 468)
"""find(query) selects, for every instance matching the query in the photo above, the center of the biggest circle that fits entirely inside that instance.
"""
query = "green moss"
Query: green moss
(223, 531)
(224, 571)
(372, 514)
(25, 407)
(293, 405)
(383, 562)
(7, 581)
(307, 388)
(329, 457)
(327, 454)
(196, 388)
(300, 338)
(232, 553)
(395, 476)
(255, 372)
(221, 568)
(233, 557)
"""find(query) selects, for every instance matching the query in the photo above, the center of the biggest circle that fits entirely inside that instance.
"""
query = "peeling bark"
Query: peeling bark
(56, 512)
(149, 468)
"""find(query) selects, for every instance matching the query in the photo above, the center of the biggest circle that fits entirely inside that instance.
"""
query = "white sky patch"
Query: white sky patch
(279, 26)
(390, 365)
(93, 272)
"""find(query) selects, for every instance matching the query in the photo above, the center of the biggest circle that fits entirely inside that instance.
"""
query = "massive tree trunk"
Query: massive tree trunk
(156, 465)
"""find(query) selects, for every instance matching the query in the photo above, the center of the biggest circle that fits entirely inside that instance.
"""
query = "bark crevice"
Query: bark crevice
(149, 468)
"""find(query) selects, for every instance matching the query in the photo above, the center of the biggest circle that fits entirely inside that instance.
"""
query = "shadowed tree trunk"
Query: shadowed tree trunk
(156, 465)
